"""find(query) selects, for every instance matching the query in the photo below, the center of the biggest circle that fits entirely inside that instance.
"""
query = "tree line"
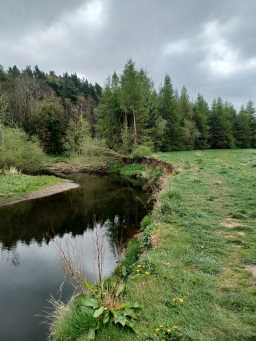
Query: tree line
(132, 112)
(128, 112)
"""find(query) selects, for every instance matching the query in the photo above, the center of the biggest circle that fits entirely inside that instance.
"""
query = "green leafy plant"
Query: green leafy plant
(146, 236)
(109, 311)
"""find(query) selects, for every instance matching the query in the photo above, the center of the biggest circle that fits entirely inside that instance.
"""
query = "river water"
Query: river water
(34, 234)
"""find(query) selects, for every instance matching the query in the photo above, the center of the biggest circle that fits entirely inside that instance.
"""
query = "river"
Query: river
(33, 235)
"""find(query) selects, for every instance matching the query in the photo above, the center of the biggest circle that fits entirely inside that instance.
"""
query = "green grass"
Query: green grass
(204, 237)
(14, 187)
(132, 170)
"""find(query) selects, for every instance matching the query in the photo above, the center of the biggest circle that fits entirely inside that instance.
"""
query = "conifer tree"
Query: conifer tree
(185, 112)
(201, 113)
(170, 121)
(109, 118)
(243, 129)
(220, 126)
(250, 109)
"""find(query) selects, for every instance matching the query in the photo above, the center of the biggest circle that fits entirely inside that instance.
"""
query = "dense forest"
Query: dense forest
(129, 112)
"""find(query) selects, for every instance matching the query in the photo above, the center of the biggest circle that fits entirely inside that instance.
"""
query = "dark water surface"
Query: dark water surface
(32, 235)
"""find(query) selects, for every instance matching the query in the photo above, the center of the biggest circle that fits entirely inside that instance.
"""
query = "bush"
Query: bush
(17, 150)
(141, 151)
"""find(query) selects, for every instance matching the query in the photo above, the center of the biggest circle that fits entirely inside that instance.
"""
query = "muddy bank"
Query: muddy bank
(66, 185)
(166, 167)
(62, 169)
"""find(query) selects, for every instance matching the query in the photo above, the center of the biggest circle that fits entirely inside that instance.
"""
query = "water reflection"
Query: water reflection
(32, 235)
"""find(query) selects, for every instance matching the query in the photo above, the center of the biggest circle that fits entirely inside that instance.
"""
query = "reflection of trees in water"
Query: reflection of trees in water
(97, 201)
(10, 256)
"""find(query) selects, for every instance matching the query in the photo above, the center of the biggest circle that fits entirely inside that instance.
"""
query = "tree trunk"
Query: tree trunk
(135, 128)
(125, 123)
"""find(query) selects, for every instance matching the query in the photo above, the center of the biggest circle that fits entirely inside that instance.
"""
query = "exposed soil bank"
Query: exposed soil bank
(62, 169)
(166, 167)
(45, 192)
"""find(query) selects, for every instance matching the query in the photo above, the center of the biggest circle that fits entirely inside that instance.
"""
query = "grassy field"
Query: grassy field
(14, 187)
(200, 278)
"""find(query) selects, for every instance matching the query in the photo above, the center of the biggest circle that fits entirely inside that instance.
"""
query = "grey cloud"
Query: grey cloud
(67, 36)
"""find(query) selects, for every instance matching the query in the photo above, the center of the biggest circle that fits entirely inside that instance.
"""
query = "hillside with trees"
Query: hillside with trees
(128, 112)
(46, 105)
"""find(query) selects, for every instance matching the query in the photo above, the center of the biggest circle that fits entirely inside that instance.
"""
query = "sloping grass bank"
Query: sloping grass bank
(194, 279)
(17, 186)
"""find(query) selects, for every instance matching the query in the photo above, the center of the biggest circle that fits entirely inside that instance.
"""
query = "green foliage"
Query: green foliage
(89, 315)
(77, 136)
(131, 112)
(133, 169)
(243, 128)
(18, 150)
(127, 113)
(49, 122)
(146, 221)
(109, 313)
(189, 132)
(220, 125)
(201, 113)
(44, 103)
(170, 139)
(125, 108)
(141, 151)
(146, 236)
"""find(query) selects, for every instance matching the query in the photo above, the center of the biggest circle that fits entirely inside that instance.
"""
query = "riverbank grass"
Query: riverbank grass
(197, 280)
(17, 186)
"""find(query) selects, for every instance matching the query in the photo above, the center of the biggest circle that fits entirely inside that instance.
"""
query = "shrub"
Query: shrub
(140, 151)
(17, 150)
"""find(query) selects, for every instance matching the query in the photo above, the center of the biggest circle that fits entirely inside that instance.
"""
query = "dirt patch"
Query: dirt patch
(62, 169)
(155, 239)
(231, 223)
(234, 235)
(46, 192)
(252, 270)
(166, 167)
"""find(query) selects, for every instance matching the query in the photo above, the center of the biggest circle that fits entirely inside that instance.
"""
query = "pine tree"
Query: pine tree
(220, 126)
(250, 109)
(201, 113)
(136, 90)
(109, 115)
(168, 112)
(185, 112)
(243, 129)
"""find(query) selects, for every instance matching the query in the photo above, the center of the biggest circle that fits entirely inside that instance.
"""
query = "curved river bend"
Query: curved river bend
(32, 234)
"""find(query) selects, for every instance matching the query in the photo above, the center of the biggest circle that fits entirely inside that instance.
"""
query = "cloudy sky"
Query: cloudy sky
(210, 46)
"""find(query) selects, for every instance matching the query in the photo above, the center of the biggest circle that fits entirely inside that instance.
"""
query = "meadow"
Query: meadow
(196, 279)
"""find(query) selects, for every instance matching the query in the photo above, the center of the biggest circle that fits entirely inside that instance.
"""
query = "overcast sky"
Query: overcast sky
(209, 46)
